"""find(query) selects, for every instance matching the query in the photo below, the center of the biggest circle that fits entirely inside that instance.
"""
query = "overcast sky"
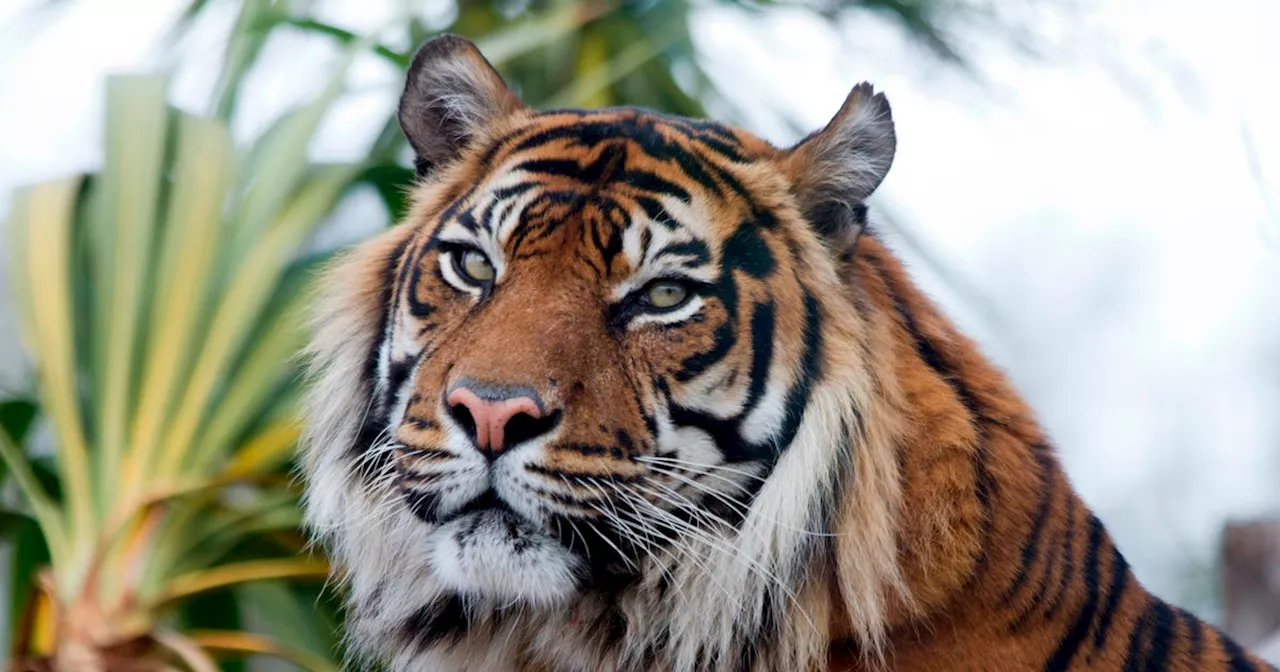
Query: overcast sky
(1109, 213)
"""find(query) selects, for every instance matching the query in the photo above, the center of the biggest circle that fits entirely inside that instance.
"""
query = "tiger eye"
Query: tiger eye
(476, 266)
(667, 294)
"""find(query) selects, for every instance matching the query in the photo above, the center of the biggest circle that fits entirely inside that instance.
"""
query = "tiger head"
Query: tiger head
(589, 405)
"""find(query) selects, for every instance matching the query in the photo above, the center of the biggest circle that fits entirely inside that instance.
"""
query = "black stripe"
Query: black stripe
(1161, 638)
(532, 224)
(417, 307)
(1050, 563)
(653, 183)
(1068, 568)
(810, 374)
(446, 618)
(695, 168)
(467, 219)
(420, 423)
(1067, 648)
(375, 417)
(762, 354)
(554, 167)
(1119, 583)
(1139, 637)
(394, 276)
(984, 483)
(1195, 633)
(724, 337)
(1142, 638)
(1031, 545)
(694, 248)
(984, 490)
(423, 503)
(656, 212)
(397, 374)
(747, 251)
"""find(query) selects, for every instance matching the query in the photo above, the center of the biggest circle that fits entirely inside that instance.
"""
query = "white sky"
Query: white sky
(1100, 205)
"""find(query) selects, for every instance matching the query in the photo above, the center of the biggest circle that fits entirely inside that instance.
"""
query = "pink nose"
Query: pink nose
(491, 416)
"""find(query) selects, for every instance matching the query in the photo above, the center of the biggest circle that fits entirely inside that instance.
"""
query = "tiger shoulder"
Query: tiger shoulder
(630, 391)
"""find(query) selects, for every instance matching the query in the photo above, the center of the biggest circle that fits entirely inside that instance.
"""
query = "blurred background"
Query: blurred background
(1092, 189)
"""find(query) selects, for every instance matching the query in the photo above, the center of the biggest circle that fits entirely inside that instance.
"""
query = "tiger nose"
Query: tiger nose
(498, 417)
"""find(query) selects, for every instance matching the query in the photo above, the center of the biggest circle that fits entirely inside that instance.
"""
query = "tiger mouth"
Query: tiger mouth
(426, 506)
(487, 503)
(489, 513)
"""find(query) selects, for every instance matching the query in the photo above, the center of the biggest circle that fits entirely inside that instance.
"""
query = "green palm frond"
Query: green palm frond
(157, 303)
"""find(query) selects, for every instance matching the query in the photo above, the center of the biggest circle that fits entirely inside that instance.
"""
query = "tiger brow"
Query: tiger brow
(696, 249)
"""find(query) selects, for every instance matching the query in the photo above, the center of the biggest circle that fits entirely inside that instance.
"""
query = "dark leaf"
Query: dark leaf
(16, 418)
(393, 183)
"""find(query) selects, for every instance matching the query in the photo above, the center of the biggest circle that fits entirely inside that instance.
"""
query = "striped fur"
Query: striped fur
(802, 467)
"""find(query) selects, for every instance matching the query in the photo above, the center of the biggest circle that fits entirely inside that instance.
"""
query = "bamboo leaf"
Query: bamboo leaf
(43, 217)
(30, 554)
(123, 229)
(280, 611)
(241, 572)
(249, 643)
(501, 46)
(346, 37)
(46, 513)
(279, 162)
(588, 89)
(202, 173)
(217, 610)
(393, 183)
(16, 418)
(242, 305)
(267, 449)
(252, 385)
(188, 650)
(246, 41)
(220, 531)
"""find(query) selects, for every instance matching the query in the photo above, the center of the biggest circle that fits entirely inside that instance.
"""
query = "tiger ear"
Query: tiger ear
(451, 94)
(835, 169)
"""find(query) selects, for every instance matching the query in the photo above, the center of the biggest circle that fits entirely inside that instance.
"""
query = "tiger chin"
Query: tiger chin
(628, 391)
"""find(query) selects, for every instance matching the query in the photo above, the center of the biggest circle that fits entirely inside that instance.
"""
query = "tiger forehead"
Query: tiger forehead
(591, 145)
(594, 175)
(656, 134)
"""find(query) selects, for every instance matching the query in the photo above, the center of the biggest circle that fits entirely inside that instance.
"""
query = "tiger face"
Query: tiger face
(583, 363)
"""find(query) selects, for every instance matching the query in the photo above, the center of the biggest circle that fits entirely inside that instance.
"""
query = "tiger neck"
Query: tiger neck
(989, 530)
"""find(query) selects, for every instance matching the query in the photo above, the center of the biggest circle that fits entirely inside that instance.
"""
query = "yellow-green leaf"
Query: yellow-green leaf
(127, 195)
(45, 214)
(203, 168)
(241, 572)
(249, 291)
(249, 643)
(267, 449)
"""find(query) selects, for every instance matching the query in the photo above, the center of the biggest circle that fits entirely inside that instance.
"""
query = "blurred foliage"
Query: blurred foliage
(160, 300)
(567, 53)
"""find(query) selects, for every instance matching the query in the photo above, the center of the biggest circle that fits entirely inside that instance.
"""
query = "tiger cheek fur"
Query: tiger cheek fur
(634, 392)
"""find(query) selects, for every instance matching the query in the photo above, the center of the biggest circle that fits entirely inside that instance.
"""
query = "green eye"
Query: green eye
(666, 294)
(475, 267)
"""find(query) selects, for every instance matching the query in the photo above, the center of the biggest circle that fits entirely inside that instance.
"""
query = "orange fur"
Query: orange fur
(914, 516)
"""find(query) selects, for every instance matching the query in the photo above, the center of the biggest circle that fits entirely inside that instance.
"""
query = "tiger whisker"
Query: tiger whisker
(719, 467)
(600, 534)
(694, 533)
(675, 544)
(753, 565)
(744, 509)
(708, 542)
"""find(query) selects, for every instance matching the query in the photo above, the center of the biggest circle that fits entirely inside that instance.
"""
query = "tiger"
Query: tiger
(626, 390)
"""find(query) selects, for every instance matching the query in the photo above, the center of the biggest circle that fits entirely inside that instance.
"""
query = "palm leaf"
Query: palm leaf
(152, 404)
